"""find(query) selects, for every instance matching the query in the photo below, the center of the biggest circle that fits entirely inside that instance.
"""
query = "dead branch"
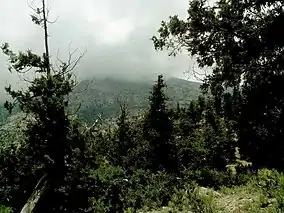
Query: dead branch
(25, 71)
(67, 67)
(74, 63)
(193, 71)
(85, 89)
(31, 6)
(23, 79)
(78, 108)
(52, 22)
(39, 190)
(88, 129)
(121, 101)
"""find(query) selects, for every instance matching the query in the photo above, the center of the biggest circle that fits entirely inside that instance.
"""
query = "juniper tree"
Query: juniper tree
(241, 42)
(158, 130)
(48, 149)
(124, 136)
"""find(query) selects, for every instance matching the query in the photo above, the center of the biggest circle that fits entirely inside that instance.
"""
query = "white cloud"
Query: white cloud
(96, 11)
(115, 32)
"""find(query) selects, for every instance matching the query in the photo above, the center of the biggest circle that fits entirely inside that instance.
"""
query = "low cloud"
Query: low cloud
(116, 35)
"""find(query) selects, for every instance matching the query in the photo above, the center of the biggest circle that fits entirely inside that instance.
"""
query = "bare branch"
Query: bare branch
(23, 79)
(24, 71)
(57, 57)
(52, 22)
(71, 53)
(78, 108)
(38, 192)
(84, 90)
(73, 64)
(76, 97)
(47, 11)
(193, 71)
(31, 5)
(71, 112)
(89, 128)
(67, 67)
(176, 47)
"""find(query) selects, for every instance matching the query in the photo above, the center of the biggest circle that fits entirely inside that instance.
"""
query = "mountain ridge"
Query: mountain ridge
(102, 96)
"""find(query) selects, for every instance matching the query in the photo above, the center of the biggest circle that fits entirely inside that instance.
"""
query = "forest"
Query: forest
(219, 152)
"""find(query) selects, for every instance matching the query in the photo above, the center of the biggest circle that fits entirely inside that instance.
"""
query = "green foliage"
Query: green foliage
(158, 130)
(99, 96)
(122, 181)
(51, 148)
(230, 36)
(118, 191)
(4, 209)
(238, 163)
(270, 189)
(124, 143)
(156, 158)
(239, 41)
(205, 140)
(272, 182)
(193, 199)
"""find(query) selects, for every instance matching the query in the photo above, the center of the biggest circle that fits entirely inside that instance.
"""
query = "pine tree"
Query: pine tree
(158, 130)
(48, 149)
(241, 42)
(124, 142)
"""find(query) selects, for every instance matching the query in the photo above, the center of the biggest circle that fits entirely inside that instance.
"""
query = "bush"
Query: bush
(272, 184)
(4, 209)
(190, 199)
(214, 178)
(117, 191)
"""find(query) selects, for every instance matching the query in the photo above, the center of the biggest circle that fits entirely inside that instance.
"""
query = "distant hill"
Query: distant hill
(101, 96)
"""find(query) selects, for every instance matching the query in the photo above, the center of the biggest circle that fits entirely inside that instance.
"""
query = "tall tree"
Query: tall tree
(123, 143)
(242, 43)
(237, 38)
(158, 130)
(48, 148)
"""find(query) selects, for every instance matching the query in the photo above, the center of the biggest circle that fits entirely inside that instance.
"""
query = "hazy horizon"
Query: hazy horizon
(116, 37)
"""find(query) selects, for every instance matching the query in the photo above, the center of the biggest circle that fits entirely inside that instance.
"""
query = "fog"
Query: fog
(115, 36)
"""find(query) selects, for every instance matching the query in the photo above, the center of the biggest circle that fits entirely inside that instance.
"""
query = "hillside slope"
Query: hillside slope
(102, 96)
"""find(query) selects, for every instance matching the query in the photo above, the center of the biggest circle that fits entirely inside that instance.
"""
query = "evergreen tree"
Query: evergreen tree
(242, 43)
(124, 143)
(158, 131)
(51, 136)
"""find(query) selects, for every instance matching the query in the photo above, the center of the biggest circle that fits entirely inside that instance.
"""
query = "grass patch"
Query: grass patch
(263, 193)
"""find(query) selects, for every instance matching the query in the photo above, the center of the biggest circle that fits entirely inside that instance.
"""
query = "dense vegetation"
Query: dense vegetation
(103, 96)
(229, 138)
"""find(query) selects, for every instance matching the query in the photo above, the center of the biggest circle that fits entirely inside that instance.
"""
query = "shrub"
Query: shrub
(4, 209)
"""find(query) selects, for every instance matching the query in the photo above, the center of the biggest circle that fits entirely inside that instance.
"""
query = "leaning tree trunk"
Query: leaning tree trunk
(42, 184)
(39, 190)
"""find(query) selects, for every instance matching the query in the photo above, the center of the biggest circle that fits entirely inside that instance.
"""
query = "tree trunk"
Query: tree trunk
(39, 190)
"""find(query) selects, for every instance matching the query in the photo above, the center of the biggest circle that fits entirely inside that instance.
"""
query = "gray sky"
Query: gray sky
(116, 34)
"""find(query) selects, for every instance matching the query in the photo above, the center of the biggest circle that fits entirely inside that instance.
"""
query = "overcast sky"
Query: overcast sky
(115, 33)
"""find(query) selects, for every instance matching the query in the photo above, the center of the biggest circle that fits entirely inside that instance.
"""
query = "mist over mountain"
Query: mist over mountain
(104, 95)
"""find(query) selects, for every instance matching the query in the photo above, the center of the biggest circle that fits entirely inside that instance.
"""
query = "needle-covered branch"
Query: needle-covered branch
(49, 145)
